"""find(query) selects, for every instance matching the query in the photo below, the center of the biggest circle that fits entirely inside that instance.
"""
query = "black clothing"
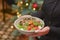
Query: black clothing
(50, 13)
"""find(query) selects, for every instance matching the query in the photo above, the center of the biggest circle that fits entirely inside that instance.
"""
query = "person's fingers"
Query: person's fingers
(31, 34)
(35, 35)
(44, 29)
(42, 32)
(27, 34)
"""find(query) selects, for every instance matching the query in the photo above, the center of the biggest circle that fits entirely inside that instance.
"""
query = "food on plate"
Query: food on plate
(30, 24)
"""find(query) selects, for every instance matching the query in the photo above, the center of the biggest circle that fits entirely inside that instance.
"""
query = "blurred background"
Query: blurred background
(10, 10)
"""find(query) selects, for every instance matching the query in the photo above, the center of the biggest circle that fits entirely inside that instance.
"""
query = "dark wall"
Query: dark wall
(10, 2)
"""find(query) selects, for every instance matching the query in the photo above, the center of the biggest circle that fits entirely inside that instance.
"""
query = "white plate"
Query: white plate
(25, 31)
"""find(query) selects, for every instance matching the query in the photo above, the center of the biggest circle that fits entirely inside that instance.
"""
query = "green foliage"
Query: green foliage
(15, 33)
(13, 18)
(27, 9)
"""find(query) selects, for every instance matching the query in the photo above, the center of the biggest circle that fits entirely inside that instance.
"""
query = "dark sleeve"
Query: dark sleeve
(41, 14)
(55, 30)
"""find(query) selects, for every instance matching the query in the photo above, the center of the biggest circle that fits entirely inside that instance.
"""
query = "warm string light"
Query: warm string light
(27, 4)
(34, 9)
(21, 2)
(12, 27)
(21, 8)
(18, 14)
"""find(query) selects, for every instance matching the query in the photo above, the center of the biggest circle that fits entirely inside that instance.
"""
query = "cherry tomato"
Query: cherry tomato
(32, 25)
(36, 28)
(29, 28)
(30, 22)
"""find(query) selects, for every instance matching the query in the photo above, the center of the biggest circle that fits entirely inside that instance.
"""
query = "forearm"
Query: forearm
(55, 30)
